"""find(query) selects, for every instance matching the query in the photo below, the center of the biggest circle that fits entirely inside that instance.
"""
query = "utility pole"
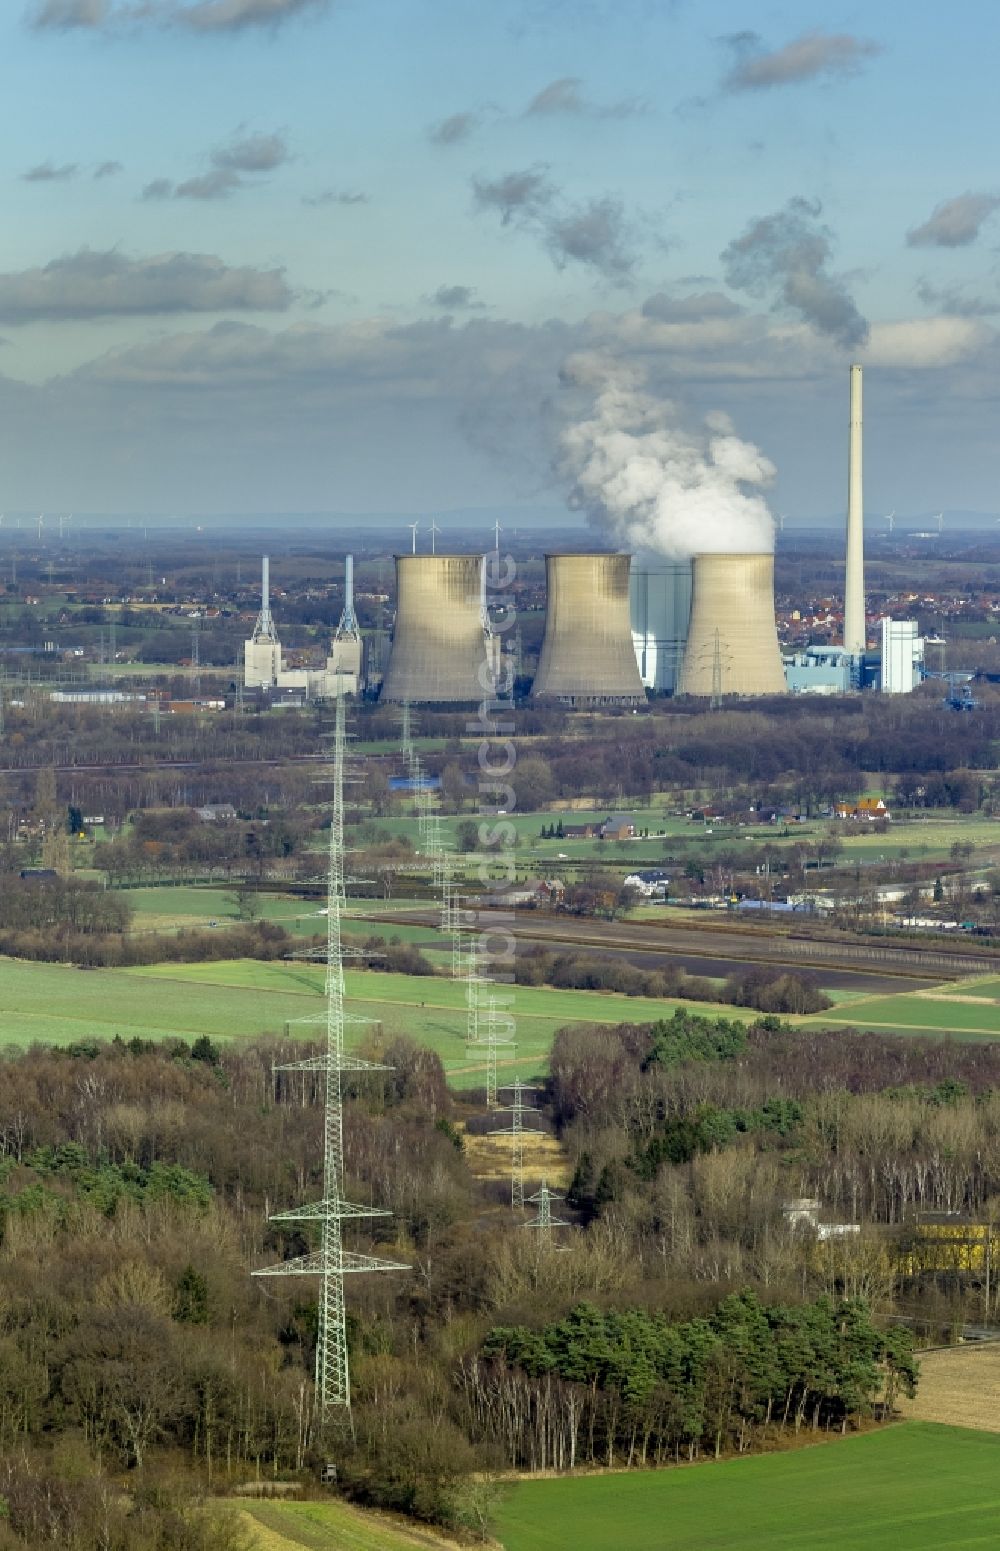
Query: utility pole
(331, 1262)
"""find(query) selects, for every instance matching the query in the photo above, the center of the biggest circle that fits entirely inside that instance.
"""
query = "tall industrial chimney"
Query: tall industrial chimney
(264, 628)
(438, 643)
(855, 635)
(732, 645)
(587, 654)
(262, 664)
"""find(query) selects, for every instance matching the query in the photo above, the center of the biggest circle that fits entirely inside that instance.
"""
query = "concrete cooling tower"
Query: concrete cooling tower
(732, 644)
(587, 654)
(439, 642)
(660, 592)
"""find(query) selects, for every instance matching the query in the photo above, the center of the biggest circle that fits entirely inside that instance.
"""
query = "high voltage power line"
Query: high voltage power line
(331, 1262)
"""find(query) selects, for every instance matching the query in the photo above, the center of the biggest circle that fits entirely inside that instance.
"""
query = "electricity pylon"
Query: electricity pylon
(515, 1133)
(486, 1031)
(331, 1262)
(544, 1221)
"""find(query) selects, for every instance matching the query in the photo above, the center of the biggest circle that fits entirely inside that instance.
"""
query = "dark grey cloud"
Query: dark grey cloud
(696, 308)
(955, 223)
(252, 153)
(566, 96)
(813, 55)
(456, 128)
(91, 284)
(785, 256)
(333, 196)
(456, 298)
(518, 196)
(204, 16)
(956, 303)
(49, 172)
(594, 232)
(62, 15)
(245, 155)
(159, 188)
(107, 169)
(217, 183)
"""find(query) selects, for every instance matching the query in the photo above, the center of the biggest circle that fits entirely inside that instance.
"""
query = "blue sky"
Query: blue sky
(267, 255)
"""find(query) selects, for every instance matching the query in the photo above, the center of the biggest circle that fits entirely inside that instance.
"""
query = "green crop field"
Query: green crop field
(327, 1526)
(238, 999)
(946, 1010)
(914, 1487)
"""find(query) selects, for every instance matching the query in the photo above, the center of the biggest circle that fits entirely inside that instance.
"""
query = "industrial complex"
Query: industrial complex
(618, 627)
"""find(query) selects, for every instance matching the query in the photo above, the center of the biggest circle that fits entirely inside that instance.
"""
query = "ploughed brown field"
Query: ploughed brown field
(959, 1386)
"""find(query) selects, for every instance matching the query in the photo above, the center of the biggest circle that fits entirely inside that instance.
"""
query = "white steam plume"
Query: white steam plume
(651, 483)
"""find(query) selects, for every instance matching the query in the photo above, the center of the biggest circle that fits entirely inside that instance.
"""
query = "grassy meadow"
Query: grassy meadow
(916, 1486)
(327, 1526)
(240, 998)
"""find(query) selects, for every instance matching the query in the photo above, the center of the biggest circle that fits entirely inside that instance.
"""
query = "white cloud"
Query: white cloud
(925, 343)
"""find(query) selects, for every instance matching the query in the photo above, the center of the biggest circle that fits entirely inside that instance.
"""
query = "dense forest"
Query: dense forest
(682, 1310)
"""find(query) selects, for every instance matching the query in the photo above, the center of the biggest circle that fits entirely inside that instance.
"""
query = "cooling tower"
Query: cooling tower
(587, 653)
(438, 643)
(660, 592)
(732, 644)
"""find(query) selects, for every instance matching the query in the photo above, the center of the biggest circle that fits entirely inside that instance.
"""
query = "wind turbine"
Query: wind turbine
(435, 530)
(939, 519)
(497, 530)
(413, 526)
(781, 521)
(890, 519)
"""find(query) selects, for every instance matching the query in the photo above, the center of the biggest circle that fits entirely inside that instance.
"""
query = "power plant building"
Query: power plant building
(820, 670)
(732, 645)
(587, 655)
(263, 664)
(660, 607)
(440, 648)
(902, 657)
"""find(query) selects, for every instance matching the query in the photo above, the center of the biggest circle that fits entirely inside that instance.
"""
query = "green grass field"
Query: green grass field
(914, 1487)
(328, 1526)
(238, 999)
(947, 1010)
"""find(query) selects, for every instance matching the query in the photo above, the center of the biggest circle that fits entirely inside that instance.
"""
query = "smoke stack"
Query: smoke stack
(587, 655)
(264, 629)
(732, 644)
(438, 644)
(855, 635)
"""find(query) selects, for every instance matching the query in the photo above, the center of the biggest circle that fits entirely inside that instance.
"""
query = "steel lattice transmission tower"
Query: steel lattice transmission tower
(331, 1262)
(544, 1221)
(488, 1029)
(515, 1133)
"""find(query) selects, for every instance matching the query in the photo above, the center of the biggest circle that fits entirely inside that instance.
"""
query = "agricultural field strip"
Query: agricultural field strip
(960, 1386)
(915, 1485)
(330, 1526)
